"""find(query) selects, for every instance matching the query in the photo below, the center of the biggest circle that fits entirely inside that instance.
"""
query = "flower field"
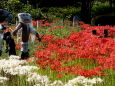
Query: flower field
(67, 56)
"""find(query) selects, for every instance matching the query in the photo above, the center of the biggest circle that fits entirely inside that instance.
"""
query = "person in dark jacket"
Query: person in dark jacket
(5, 18)
(25, 25)
(10, 44)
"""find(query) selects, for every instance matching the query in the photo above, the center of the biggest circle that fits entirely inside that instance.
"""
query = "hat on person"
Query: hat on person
(5, 16)
(24, 17)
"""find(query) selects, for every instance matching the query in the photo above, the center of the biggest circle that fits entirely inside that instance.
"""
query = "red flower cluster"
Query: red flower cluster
(44, 23)
(41, 23)
(18, 47)
(76, 47)
(100, 29)
(56, 27)
(34, 23)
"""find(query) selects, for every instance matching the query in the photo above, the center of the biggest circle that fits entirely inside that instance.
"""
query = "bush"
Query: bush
(60, 12)
(101, 9)
(102, 14)
(35, 13)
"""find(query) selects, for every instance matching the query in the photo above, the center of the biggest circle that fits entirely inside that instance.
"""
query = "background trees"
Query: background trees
(85, 9)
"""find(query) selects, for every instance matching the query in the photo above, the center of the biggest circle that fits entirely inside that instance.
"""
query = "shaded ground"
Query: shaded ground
(104, 19)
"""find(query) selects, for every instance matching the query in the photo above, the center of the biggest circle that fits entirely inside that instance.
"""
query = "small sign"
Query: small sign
(75, 20)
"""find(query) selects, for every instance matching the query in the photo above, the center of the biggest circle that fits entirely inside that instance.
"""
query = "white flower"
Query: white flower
(38, 79)
(14, 57)
(10, 63)
(98, 80)
(80, 80)
(57, 83)
(3, 79)
(37, 85)
(13, 66)
(20, 70)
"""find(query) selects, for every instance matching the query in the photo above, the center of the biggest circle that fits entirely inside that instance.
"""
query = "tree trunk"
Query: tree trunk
(110, 2)
(86, 11)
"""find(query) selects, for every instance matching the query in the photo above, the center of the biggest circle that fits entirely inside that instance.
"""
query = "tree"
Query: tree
(86, 6)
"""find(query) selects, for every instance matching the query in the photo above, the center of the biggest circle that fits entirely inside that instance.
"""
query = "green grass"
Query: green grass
(108, 79)
(21, 80)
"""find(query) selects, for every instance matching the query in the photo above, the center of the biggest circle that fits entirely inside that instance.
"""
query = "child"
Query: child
(10, 44)
(25, 25)
(2, 28)
(5, 17)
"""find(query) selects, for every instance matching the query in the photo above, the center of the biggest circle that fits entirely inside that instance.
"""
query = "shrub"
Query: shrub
(60, 12)
(101, 8)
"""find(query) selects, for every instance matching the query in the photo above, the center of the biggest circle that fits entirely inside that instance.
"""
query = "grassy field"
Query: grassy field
(68, 63)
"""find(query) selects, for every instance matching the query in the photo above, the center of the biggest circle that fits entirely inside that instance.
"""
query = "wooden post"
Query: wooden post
(94, 32)
(105, 33)
(75, 21)
(37, 23)
(16, 22)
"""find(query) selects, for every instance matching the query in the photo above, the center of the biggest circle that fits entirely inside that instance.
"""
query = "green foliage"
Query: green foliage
(3, 3)
(60, 12)
(13, 6)
(35, 13)
(26, 8)
(101, 8)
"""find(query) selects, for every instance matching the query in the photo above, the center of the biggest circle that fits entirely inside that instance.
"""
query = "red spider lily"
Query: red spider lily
(109, 63)
(34, 22)
(40, 47)
(68, 22)
(59, 70)
(81, 22)
(55, 64)
(82, 45)
(90, 72)
(43, 63)
(52, 47)
(18, 47)
(43, 23)
(99, 68)
(85, 26)
(74, 70)
(48, 38)
(101, 61)
(56, 27)
(112, 54)
(67, 69)
(44, 60)
(60, 75)
(42, 54)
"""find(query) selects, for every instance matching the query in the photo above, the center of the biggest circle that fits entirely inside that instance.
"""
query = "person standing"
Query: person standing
(5, 17)
(26, 28)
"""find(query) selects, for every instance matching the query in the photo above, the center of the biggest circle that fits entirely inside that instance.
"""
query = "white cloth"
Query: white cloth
(25, 46)
(1, 27)
(31, 29)
(26, 16)
(1, 41)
